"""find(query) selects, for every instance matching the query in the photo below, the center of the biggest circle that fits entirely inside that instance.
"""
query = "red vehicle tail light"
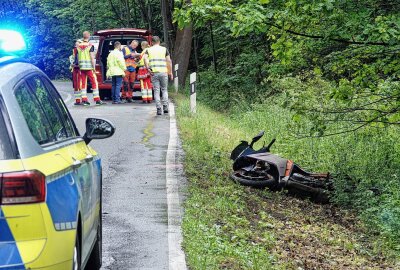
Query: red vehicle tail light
(23, 187)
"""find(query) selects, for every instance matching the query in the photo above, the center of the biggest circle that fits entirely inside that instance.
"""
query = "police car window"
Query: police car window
(50, 109)
(65, 116)
(35, 118)
(6, 151)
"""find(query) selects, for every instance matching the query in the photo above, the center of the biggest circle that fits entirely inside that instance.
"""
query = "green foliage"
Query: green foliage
(323, 95)
(51, 27)
(223, 94)
(217, 232)
(311, 70)
(353, 46)
(365, 164)
(221, 218)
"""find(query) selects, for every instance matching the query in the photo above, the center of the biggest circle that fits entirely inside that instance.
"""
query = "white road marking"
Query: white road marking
(177, 260)
(68, 98)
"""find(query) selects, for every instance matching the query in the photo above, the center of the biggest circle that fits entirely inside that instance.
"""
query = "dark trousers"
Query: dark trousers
(116, 88)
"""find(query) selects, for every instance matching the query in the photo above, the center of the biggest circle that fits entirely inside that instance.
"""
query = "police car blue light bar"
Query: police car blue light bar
(11, 41)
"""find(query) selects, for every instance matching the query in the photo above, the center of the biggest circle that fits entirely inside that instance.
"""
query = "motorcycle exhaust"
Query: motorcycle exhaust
(317, 194)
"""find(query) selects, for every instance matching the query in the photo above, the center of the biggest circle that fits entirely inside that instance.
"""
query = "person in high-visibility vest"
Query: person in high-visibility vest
(144, 76)
(87, 64)
(116, 71)
(158, 61)
(76, 74)
(131, 56)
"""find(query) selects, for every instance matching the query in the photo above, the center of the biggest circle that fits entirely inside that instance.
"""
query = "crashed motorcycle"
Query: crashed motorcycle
(260, 169)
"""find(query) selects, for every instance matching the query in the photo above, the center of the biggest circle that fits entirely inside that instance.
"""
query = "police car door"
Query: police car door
(75, 152)
(90, 175)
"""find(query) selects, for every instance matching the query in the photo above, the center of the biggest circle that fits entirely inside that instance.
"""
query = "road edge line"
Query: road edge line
(177, 259)
(69, 97)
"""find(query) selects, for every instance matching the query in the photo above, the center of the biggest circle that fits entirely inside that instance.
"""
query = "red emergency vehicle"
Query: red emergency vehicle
(105, 40)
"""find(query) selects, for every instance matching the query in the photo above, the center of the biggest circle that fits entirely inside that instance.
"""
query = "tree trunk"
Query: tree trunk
(213, 49)
(117, 13)
(195, 47)
(128, 13)
(145, 11)
(183, 47)
(171, 26)
(164, 13)
(149, 16)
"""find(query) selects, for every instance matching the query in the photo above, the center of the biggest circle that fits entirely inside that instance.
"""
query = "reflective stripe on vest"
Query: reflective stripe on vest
(157, 60)
(129, 62)
(84, 58)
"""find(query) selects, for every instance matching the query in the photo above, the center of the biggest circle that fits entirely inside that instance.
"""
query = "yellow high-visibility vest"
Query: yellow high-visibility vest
(141, 62)
(84, 58)
(157, 60)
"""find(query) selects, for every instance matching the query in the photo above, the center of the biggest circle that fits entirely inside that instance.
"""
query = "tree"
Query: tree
(354, 48)
(164, 12)
(52, 26)
(183, 48)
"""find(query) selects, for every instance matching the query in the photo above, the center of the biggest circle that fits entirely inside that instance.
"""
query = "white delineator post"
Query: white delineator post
(193, 79)
(176, 81)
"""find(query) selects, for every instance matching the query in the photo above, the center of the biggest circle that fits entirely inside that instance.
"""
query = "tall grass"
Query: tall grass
(366, 163)
(217, 233)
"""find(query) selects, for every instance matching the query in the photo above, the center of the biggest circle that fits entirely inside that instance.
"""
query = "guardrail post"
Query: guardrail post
(193, 79)
(176, 81)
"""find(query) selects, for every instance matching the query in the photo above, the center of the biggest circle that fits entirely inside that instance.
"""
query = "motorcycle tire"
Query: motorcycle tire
(271, 182)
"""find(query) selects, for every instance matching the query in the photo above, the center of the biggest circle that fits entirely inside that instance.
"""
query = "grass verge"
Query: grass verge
(227, 226)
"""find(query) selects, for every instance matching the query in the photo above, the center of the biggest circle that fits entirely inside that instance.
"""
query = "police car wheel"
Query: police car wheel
(95, 258)
(76, 265)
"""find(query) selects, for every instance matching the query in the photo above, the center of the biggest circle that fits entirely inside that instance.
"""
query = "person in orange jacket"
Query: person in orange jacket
(87, 64)
(131, 56)
(76, 74)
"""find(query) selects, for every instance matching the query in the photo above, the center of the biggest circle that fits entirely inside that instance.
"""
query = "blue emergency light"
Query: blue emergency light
(11, 42)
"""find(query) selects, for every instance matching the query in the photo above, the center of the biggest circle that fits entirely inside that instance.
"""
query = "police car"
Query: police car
(50, 179)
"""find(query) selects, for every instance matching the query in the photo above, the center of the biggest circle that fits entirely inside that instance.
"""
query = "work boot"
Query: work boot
(86, 103)
(99, 102)
(159, 112)
(165, 108)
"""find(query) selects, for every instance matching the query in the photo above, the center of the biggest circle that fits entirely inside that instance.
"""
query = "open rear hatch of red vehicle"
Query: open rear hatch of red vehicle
(122, 32)
(106, 45)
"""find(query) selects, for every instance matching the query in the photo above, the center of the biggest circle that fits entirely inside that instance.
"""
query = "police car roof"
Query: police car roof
(13, 70)
(7, 59)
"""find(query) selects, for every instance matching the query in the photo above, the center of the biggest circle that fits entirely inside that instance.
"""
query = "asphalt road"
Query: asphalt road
(135, 209)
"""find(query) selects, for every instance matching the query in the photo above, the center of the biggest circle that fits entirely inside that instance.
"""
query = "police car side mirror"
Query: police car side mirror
(97, 129)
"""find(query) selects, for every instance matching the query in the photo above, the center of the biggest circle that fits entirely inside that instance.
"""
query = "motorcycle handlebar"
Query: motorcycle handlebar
(270, 144)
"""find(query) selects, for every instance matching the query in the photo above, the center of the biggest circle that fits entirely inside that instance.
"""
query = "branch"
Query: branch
(117, 14)
(365, 123)
(360, 121)
(332, 39)
(143, 12)
(347, 110)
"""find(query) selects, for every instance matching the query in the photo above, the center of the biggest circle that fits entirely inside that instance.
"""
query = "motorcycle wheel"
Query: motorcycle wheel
(257, 182)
